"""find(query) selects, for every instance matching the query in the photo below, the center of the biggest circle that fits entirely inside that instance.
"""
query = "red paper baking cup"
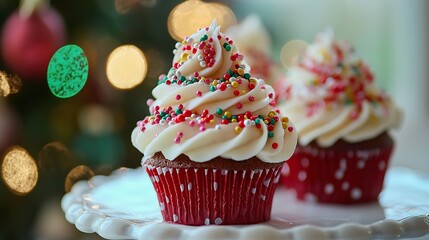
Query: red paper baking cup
(198, 196)
(343, 174)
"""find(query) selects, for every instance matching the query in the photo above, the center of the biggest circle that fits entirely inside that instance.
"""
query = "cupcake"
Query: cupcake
(342, 120)
(213, 144)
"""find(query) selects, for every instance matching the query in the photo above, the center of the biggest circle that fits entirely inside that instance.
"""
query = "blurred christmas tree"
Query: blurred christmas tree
(94, 126)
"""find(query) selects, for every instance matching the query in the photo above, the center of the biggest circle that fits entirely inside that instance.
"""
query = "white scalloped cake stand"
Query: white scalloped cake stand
(124, 206)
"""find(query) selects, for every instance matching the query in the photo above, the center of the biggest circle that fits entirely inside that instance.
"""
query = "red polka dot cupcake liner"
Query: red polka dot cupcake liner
(346, 173)
(197, 196)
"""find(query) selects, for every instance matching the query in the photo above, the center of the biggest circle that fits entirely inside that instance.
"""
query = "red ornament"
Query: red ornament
(28, 42)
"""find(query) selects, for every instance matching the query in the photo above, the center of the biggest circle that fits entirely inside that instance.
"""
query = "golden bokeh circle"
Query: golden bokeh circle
(77, 174)
(291, 50)
(19, 171)
(9, 84)
(126, 67)
(189, 16)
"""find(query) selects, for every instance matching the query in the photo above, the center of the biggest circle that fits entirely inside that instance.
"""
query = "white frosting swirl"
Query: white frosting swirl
(330, 95)
(215, 110)
(195, 61)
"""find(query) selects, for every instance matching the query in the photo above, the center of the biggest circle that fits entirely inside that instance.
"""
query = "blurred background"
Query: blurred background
(61, 140)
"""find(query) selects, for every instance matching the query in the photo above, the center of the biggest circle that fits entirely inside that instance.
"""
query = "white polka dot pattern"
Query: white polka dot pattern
(209, 199)
(337, 175)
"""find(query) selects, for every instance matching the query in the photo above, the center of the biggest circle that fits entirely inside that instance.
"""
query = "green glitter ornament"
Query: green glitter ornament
(67, 71)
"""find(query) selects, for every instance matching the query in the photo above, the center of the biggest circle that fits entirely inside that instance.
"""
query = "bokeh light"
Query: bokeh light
(126, 67)
(291, 50)
(77, 174)
(9, 84)
(95, 119)
(123, 6)
(189, 16)
(67, 71)
(19, 171)
(54, 157)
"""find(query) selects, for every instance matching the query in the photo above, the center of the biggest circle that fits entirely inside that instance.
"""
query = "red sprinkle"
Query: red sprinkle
(222, 87)
(251, 98)
(290, 129)
(205, 112)
(275, 145)
(178, 97)
(199, 93)
(239, 105)
(187, 113)
(236, 92)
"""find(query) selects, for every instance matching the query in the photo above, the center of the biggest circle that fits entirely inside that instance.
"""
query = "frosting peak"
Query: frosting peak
(330, 94)
(209, 105)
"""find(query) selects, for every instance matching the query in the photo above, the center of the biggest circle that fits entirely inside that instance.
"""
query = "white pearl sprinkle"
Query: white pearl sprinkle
(162, 121)
(200, 57)
(203, 64)
(178, 44)
(247, 122)
(218, 127)
(174, 51)
(190, 40)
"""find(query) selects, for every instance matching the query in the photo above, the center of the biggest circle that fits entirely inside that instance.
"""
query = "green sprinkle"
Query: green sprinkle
(272, 121)
(257, 121)
(219, 111)
(247, 75)
(261, 117)
(212, 88)
(203, 38)
(230, 72)
(67, 71)
(234, 117)
(270, 134)
(183, 78)
(178, 111)
(348, 101)
(355, 70)
(224, 117)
